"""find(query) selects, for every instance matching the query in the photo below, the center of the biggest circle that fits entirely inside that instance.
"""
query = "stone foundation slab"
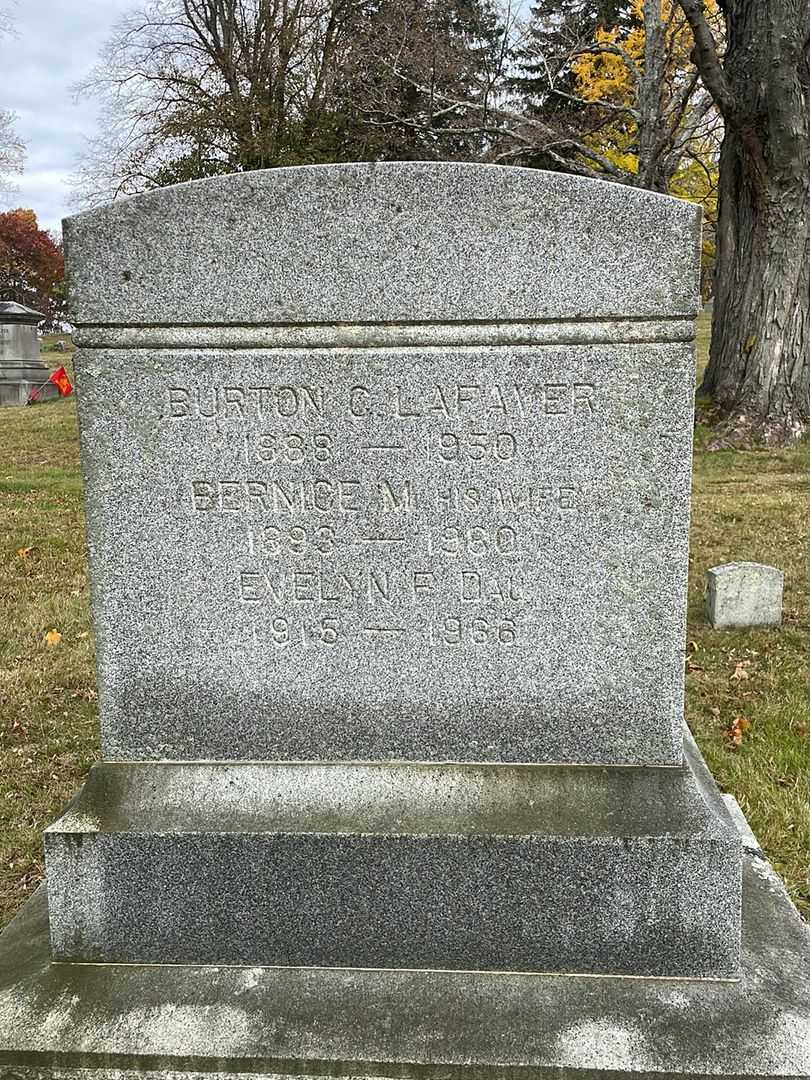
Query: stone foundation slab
(115, 1022)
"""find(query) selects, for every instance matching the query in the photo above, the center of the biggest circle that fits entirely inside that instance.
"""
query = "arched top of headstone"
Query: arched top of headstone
(11, 312)
(382, 243)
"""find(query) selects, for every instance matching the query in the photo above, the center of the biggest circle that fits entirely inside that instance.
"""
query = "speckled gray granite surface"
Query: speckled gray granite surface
(458, 553)
(744, 594)
(388, 462)
(522, 868)
(114, 1022)
(390, 242)
(392, 462)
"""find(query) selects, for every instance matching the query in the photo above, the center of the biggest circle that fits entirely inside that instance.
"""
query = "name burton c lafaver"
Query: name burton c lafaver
(449, 401)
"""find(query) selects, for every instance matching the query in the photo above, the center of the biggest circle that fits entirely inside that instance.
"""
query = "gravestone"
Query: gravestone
(21, 369)
(387, 476)
(744, 594)
(386, 530)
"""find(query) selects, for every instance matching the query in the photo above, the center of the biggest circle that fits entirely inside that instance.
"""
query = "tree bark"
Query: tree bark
(650, 105)
(759, 366)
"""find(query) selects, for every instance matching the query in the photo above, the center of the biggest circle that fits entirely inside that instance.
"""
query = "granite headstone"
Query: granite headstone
(744, 594)
(387, 476)
(345, 427)
(21, 369)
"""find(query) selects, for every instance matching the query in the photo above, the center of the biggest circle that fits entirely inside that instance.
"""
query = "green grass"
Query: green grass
(48, 721)
(753, 505)
(47, 346)
(747, 505)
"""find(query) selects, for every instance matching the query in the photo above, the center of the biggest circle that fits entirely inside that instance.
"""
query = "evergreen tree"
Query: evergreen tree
(556, 31)
(195, 88)
(409, 55)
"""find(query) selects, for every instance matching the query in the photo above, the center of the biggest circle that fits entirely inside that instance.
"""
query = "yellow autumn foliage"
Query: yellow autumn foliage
(606, 76)
(610, 78)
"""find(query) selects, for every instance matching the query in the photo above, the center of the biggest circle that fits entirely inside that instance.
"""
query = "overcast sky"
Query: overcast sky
(57, 42)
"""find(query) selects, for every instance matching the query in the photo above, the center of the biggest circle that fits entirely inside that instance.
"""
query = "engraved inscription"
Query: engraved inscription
(208, 402)
(292, 447)
(372, 586)
(477, 446)
(461, 401)
(376, 511)
(352, 496)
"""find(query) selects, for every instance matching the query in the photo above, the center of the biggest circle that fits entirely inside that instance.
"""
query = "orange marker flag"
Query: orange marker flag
(62, 382)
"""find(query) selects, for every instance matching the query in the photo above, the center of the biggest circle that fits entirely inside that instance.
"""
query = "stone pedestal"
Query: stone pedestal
(387, 473)
(21, 369)
(127, 1021)
(614, 871)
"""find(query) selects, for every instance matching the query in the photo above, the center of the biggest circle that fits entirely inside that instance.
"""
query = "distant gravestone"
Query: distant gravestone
(387, 475)
(744, 594)
(21, 369)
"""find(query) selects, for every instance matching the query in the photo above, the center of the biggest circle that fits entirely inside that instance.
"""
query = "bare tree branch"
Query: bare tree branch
(598, 103)
(707, 57)
(12, 148)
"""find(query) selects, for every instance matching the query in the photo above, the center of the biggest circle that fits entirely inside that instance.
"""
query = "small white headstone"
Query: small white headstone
(744, 594)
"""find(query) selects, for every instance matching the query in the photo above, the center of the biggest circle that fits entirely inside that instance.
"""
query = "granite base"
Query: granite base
(115, 1022)
(16, 385)
(566, 868)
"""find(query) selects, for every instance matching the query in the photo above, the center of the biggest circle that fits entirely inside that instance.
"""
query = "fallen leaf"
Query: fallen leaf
(53, 637)
(737, 729)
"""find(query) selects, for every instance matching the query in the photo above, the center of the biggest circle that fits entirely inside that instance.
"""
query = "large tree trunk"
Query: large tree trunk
(759, 369)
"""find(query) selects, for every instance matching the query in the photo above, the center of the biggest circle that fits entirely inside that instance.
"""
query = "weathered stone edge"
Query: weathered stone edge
(373, 335)
(392, 241)
(436, 797)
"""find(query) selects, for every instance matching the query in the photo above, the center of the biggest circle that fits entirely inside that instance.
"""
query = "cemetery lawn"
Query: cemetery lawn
(748, 692)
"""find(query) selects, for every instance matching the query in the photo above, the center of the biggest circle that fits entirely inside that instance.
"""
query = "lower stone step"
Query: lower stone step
(157, 1022)
(539, 868)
